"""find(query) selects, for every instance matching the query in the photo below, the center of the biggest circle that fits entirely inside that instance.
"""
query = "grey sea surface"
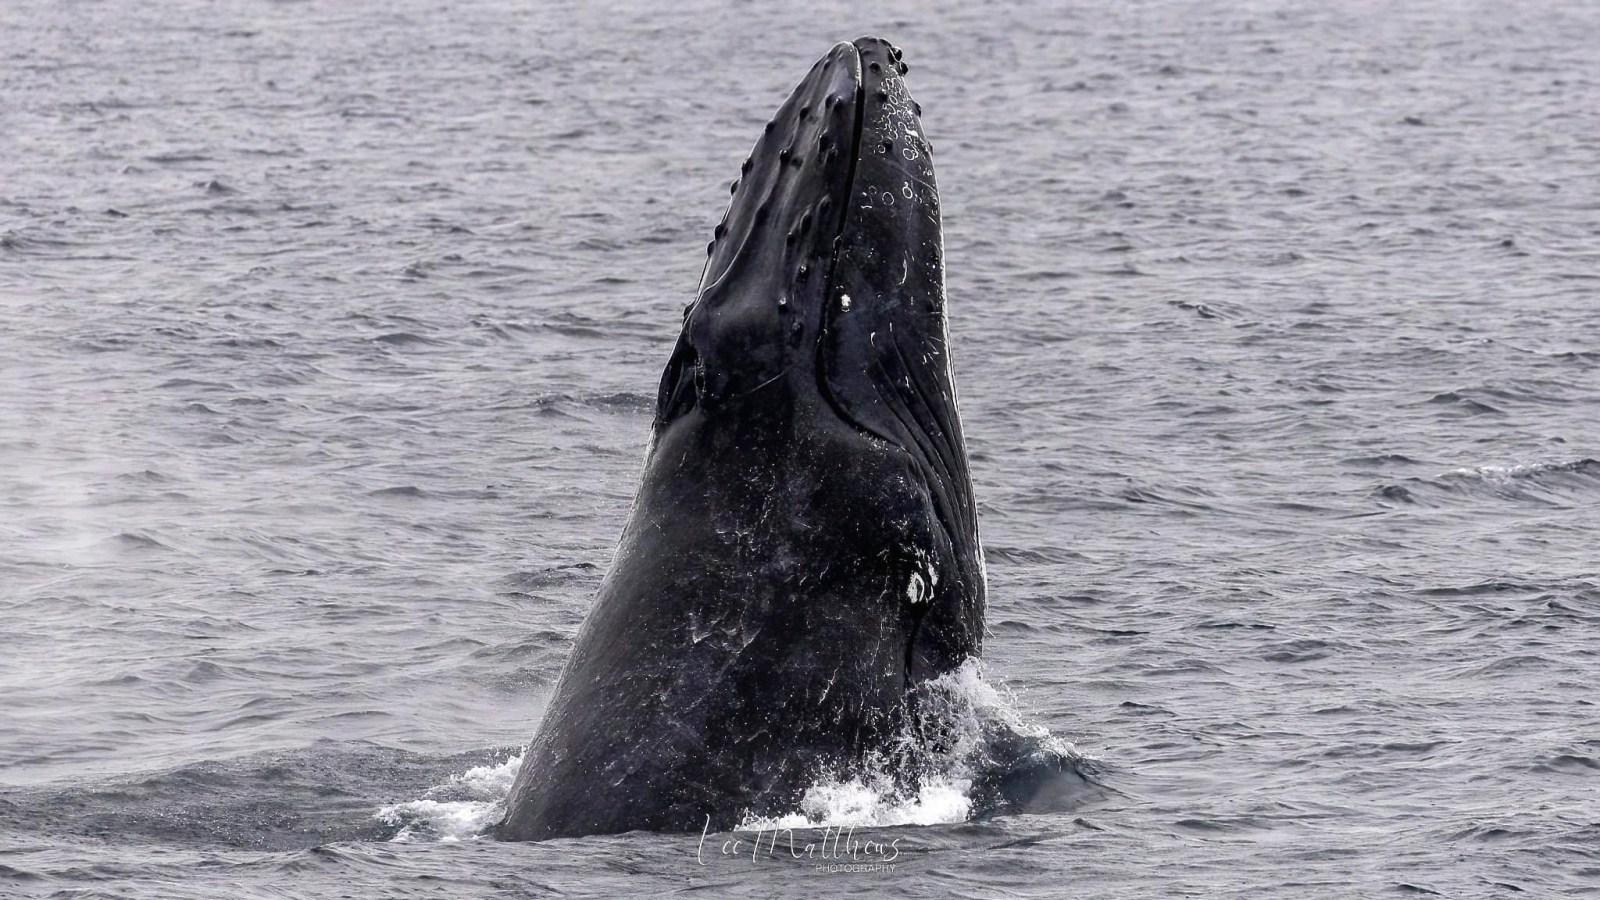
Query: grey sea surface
(329, 337)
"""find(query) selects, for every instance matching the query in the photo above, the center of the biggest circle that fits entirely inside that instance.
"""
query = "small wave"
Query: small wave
(1589, 468)
(1150, 495)
(402, 491)
(1202, 310)
(576, 325)
(129, 540)
(1480, 589)
(1568, 764)
(23, 243)
(1305, 650)
(994, 554)
(1394, 492)
(176, 157)
(1533, 481)
(1465, 404)
(623, 400)
(1585, 356)
(404, 338)
(1380, 460)
(1543, 483)
(552, 575)
(462, 808)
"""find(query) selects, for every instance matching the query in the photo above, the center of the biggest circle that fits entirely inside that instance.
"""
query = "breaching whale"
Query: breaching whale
(803, 551)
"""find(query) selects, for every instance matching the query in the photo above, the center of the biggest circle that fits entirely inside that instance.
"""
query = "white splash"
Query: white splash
(974, 709)
(971, 712)
(873, 801)
(972, 717)
(1504, 474)
(433, 819)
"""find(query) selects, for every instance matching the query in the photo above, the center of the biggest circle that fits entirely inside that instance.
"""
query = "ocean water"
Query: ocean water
(329, 335)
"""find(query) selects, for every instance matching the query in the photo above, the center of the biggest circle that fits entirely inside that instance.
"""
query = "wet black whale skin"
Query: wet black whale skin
(803, 550)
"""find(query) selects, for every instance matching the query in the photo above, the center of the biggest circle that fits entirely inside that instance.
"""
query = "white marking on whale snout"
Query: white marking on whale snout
(844, 301)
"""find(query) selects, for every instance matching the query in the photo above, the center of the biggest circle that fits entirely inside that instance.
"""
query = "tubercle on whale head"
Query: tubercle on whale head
(826, 278)
(767, 289)
(756, 314)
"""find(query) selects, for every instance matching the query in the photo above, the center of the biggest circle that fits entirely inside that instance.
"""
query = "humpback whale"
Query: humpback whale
(803, 550)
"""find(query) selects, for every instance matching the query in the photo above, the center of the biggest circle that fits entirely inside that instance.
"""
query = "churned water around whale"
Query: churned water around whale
(331, 337)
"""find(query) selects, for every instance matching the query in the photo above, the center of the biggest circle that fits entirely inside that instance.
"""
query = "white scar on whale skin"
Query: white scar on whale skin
(919, 589)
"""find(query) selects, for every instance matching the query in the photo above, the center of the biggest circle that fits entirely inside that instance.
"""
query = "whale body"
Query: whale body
(803, 552)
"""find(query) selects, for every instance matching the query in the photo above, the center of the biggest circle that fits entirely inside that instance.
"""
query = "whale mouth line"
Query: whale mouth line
(856, 131)
(819, 364)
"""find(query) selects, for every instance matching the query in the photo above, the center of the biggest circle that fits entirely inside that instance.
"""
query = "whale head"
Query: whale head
(824, 288)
